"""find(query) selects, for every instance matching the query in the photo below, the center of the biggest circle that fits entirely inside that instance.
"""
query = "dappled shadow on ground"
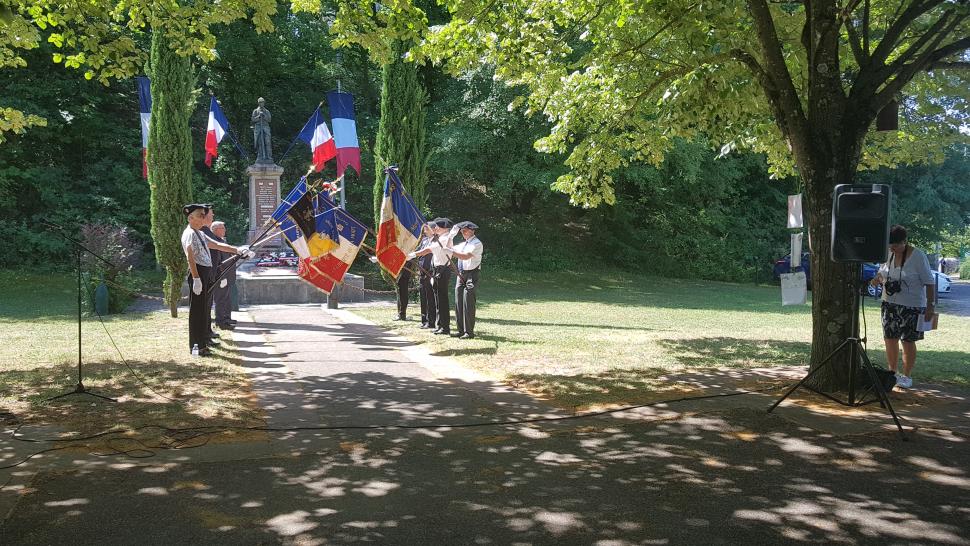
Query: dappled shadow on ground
(733, 476)
(728, 352)
(163, 392)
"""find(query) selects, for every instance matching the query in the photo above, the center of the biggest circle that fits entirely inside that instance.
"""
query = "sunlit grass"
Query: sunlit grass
(584, 339)
(165, 385)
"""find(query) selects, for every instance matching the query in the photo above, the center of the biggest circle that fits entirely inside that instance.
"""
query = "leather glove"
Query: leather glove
(196, 286)
(223, 283)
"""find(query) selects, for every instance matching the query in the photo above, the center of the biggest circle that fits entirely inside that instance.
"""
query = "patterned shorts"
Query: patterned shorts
(899, 322)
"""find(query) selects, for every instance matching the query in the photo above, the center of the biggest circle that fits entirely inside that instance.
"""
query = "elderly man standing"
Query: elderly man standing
(196, 246)
(222, 293)
(469, 254)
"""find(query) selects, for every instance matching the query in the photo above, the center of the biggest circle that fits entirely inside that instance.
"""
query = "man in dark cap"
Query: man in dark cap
(469, 255)
(196, 246)
(440, 251)
(429, 312)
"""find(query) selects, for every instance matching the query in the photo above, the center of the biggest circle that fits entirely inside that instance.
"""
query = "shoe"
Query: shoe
(442, 332)
(214, 341)
(466, 336)
(904, 382)
(205, 352)
(424, 327)
(226, 326)
(232, 321)
(458, 334)
(400, 318)
(213, 335)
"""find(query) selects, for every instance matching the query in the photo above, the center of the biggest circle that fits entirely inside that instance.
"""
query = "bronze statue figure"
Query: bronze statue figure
(261, 135)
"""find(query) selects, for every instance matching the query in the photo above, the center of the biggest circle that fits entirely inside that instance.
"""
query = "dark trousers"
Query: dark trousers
(465, 297)
(403, 286)
(429, 311)
(222, 297)
(199, 310)
(442, 282)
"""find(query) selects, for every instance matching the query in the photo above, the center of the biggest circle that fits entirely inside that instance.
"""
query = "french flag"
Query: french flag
(215, 132)
(400, 229)
(344, 131)
(145, 108)
(317, 135)
(343, 228)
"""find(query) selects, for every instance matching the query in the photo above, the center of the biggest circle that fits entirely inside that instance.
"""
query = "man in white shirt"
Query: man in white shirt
(440, 250)
(196, 246)
(469, 254)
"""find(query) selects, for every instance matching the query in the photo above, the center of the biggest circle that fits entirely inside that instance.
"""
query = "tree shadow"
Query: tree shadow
(728, 352)
(675, 473)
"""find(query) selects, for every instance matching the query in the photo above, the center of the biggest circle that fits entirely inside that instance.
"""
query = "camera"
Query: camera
(893, 287)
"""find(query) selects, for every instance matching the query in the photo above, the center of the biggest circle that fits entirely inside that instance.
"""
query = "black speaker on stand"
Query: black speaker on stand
(860, 233)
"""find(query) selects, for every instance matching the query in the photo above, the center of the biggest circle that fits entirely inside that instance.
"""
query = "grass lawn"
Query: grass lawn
(584, 339)
(38, 359)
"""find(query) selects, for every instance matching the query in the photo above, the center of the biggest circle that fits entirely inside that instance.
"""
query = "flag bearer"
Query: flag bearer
(469, 254)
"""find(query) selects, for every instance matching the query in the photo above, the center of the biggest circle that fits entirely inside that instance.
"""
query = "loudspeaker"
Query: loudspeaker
(860, 222)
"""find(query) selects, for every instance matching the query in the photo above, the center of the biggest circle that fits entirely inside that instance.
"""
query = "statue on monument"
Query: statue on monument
(261, 135)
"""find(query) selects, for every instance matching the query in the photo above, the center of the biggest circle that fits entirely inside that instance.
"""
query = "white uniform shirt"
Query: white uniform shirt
(474, 247)
(914, 276)
(440, 256)
(200, 246)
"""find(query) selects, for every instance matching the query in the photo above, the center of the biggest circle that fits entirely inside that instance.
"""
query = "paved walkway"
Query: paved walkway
(717, 471)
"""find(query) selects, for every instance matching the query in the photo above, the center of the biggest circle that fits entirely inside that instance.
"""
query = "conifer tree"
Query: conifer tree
(401, 132)
(169, 159)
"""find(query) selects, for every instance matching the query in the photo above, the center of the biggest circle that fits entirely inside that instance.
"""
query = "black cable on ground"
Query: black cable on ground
(130, 369)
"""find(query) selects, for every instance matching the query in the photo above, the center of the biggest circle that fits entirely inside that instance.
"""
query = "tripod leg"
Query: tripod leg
(883, 397)
(808, 376)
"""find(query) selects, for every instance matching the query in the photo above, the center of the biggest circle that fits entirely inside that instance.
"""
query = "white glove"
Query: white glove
(373, 259)
(454, 232)
(245, 251)
(412, 255)
(196, 286)
(223, 283)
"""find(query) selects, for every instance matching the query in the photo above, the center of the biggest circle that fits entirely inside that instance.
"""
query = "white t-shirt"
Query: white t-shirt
(474, 247)
(913, 276)
(200, 246)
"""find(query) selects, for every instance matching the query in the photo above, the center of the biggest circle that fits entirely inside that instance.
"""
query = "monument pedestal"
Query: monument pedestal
(264, 197)
(281, 285)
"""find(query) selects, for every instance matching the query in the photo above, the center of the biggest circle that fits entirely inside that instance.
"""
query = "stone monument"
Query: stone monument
(264, 176)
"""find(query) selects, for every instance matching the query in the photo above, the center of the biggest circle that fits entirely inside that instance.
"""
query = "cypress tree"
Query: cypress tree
(401, 132)
(169, 159)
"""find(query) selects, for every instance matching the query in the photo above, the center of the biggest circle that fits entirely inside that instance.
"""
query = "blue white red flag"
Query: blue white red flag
(343, 228)
(215, 132)
(317, 135)
(145, 110)
(344, 131)
(400, 229)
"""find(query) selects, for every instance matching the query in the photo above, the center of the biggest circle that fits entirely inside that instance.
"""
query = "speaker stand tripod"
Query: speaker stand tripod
(857, 356)
(78, 250)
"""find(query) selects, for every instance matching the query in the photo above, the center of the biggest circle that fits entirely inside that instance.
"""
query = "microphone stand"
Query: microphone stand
(79, 249)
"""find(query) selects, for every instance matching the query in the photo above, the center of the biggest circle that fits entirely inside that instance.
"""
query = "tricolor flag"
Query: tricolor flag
(217, 129)
(145, 108)
(400, 228)
(347, 230)
(317, 135)
(344, 131)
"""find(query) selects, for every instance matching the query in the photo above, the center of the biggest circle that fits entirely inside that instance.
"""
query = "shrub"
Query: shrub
(116, 246)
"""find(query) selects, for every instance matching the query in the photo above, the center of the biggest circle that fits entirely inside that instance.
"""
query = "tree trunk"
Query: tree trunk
(173, 291)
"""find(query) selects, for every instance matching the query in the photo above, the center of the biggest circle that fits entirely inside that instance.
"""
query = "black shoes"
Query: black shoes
(457, 334)
(441, 332)
(424, 326)
(226, 326)
(467, 336)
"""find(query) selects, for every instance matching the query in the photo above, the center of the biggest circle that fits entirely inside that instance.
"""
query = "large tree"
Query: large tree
(169, 159)
(401, 132)
(802, 81)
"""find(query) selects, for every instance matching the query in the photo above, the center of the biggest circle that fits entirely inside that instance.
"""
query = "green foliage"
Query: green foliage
(401, 134)
(170, 159)
(965, 268)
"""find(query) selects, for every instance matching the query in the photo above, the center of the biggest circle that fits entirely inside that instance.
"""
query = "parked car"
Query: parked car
(943, 283)
(869, 271)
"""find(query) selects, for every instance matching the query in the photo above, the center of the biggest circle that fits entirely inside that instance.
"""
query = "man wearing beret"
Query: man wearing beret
(469, 255)
(196, 246)
(440, 252)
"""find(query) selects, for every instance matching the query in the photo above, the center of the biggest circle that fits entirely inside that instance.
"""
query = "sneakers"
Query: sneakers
(904, 382)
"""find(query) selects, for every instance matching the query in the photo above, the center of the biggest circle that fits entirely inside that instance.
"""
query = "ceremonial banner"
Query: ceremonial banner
(317, 135)
(344, 131)
(145, 112)
(309, 274)
(400, 229)
(215, 132)
(345, 229)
